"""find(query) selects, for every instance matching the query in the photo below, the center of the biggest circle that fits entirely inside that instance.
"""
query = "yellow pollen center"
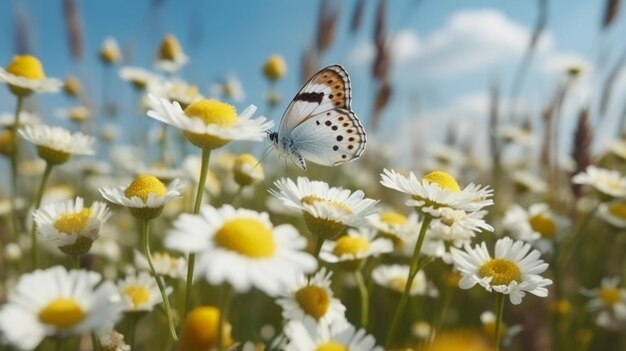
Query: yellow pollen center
(312, 199)
(170, 48)
(275, 68)
(138, 294)
(246, 236)
(26, 66)
(610, 296)
(444, 180)
(62, 313)
(313, 300)
(213, 112)
(543, 225)
(502, 271)
(618, 209)
(393, 218)
(69, 223)
(331, 346)
(145, 184)
(350, 245)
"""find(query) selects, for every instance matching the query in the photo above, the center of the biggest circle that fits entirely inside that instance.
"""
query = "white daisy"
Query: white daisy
(7, 120)
(514, 134)
(529, 182)
(110, 51)
(437, 190)
(143, 192)
(394, 225)
(111, 340)
(354, 247)
(70, 225)
(618, 148)
(241, 247)
(327, 210)
(230, 88)
(209, 123)
(55, 302)
(607, 182)
(164, 264)
(55, 144)
(140, 292)
(77, 114)
(539, 225)
(170, 57)
(395, 276)
(24, 75)
(514, 270)
(614, 213)
(140, 78)
(247, 170)
(340, 335)
(609, 302)
(312, 298)
(176, 91)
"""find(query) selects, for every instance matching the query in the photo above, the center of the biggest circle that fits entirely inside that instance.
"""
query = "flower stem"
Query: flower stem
(38, 197)
(223, 313)
(318, 246)
(95, 344)
(191, 260)
(576, 239)
(166, 302)
(414, 268)
(360, 282)
(14, 165)
(133, 331)
(499, 314)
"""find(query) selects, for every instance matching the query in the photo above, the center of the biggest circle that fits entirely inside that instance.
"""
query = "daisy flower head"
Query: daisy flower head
(247, 170)
(177, 91)
(328, 211)
(139, 293)
(520, 135)
(352, 249)
(72, 87)
(145, 196)
(210, 124)
(538, 225)
(614, 213)
(513, 271)
(141, 79)
(339, 335)
(111, 340)
(312, 298)
(201, 328)
(70, 225)
(170, 56)
(25, 75)
(55, 145)
(394, 277)
(527, 182)
(229, 88)
(275, 68)
(394, 226)
(437, 190)
(7, 119)
(56, 302)
(77, 114)
(241, 247)
(609, 302)
(110, 51)
(164, 264)
(608, 183)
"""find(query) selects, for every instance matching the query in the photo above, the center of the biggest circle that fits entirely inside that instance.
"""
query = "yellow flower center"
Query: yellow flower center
(69, 223)
(210, 112)
(543, 225)
(490, 329)
(610, 296)
(444, 180)
(201, 328)
(502, 271)
(618, 209)
(247, 169)
(138, 294)
(170, 48)
(145, 184)
(562, 307)
(313, 300)
(247, 237)
(312, 199)
(331, 346)
(393, 218)
(72, 87)
(350, 245)
(62, 313)
(275, 68)
(26, 66)
(6, 142)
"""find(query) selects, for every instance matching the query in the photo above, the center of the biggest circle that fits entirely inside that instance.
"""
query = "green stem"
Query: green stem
(164, 145)
(38, 197)
(577, 238)
(133, 331)
(237, 196)
(360, 282)
(14, 166)
(76, 262)
(166, 302)
(95, 344)
(58, 345)
(191, 260)
(225, 305)
(318, 246)
(414, 268)
(499, 313)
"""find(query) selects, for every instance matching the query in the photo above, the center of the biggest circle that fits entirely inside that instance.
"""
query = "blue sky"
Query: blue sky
(237, 36)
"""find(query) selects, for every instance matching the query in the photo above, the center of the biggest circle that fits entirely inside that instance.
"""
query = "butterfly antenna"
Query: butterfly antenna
(266, 152)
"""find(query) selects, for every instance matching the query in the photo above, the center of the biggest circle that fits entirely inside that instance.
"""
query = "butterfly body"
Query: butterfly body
(319, 125)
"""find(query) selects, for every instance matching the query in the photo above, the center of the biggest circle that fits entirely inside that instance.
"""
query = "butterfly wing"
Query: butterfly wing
(328, 89)
(330, 138)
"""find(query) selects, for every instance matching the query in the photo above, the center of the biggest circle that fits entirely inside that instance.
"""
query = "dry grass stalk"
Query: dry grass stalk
(310, 64)
(357, 16)
(327, 25)
(380, 102)
(581, 149)
(609, 84)
(610, 12)
(380, 25)
(74, 28)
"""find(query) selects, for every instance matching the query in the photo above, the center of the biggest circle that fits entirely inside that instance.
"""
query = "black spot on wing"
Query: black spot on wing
(310, 97)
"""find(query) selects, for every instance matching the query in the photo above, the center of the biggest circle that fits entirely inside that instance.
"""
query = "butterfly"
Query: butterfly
(318, 125)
